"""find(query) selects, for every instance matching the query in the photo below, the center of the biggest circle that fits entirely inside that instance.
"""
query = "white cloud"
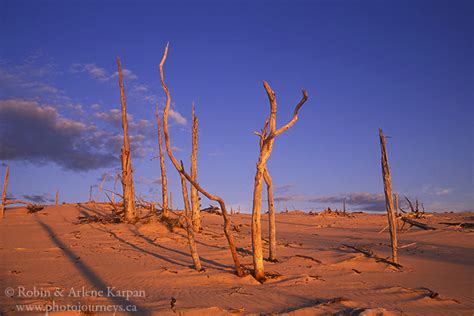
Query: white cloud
(177, 117)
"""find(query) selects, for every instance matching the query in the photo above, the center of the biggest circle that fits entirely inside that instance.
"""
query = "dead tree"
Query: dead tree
(182, 171)
(344, 206)
(57, 198)
(196, 216)
(126, 157)
(171, 201)
(267, 139)
(387, 181)
(164, 181)
(189, 224)
(4, 192)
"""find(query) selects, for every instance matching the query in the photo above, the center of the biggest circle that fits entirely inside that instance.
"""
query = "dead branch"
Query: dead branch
(417, 224)
(370, 254)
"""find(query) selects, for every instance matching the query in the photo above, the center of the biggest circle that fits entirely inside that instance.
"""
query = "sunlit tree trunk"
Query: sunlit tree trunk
(127, 171)
(196, 215)
(164, 181)
(387, 181)
(4, 192)
(267, 139)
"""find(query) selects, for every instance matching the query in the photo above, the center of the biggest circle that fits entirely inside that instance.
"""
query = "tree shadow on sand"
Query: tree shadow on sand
(88, 273)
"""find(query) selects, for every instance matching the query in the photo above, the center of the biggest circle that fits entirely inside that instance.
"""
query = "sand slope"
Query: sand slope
(316, 274)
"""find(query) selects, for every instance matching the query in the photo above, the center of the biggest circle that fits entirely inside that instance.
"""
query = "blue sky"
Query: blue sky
(404, 66)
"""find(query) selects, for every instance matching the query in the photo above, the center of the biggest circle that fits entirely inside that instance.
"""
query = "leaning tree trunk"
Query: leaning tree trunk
(189, 226)
(267, 139)
(387, 181)
(196, 215)
(4, 192)
(272, 255)
(164, 181)
(182, 171)
(126, 157)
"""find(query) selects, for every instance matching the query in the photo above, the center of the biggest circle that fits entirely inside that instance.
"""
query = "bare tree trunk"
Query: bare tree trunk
(171, 200)
(196, 215)
(387, 181)
(182, 171)
(344, 206)
(127, 171)
(266, 147)
(189, 226)
(272, 256)
(397, 205)
(4, 192)
(164, 181)
(90, 193)
(57, 198)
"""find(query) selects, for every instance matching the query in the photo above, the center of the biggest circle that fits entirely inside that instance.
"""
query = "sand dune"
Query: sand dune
(315, 274)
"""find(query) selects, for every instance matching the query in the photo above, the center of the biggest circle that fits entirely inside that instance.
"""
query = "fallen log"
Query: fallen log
(369, 253)
(417, 224)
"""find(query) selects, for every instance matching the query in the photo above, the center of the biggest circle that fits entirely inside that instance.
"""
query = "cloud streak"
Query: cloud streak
(361, 200)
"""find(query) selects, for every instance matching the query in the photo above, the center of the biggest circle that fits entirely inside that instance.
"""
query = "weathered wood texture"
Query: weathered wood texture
(126, 156)
(196, 215)
(164, 180)
(387, 181)
(182, 171)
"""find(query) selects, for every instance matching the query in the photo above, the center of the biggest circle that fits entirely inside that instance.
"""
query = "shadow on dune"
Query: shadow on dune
(218, 266)
(87, 272)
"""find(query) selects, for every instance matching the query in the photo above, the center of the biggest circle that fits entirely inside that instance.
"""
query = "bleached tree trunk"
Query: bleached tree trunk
(57, 198)
(164, 181)
(272, 256)
(127, 171)
(189, 226)
(182, 171)
(266, 147)
(387, 181)
(4, 192)
(171, 201)
(196, 215)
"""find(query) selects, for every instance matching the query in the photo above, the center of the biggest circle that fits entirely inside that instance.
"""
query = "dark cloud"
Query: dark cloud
(38, 134)
(38, 198)
(285, 188)
(360, 200)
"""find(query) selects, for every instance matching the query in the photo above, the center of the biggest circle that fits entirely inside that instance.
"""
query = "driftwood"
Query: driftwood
(212, 210)
(33, 208)
(181, 170)
(267, 138)
(387, 181)
(126, 156)
(369, 253)
(459, 225)
(196, 216)
(417, 224)
(4, 192)
(164, 181)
